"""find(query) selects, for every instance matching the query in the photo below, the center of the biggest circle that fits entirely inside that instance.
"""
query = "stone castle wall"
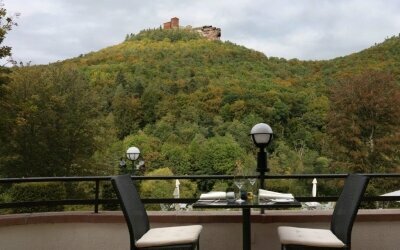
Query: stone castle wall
(209, 32)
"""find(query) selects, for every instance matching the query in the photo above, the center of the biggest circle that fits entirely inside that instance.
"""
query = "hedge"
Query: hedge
(37, 192)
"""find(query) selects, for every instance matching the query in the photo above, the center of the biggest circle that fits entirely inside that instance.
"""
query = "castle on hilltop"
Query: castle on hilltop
(210, 32)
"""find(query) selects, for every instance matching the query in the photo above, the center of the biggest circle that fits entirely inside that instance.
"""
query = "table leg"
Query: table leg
(246, 229)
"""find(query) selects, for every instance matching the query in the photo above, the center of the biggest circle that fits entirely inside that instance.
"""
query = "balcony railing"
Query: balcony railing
(96, 200)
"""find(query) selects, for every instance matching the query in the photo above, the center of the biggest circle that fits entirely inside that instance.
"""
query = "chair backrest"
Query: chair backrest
(347, 205)
(134, 212)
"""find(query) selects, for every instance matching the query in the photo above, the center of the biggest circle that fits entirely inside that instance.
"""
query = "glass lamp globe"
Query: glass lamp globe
(132, 153)
(261, 134)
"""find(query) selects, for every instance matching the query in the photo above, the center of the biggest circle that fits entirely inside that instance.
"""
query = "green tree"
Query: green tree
(127, 112)
(6, 24)
(151, 96)
(216, 155)
(165, 188)
(149, 149)
(177, 157)
(54, 116)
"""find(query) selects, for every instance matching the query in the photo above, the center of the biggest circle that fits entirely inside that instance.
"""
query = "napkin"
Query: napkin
(269, 195)
(214, 195)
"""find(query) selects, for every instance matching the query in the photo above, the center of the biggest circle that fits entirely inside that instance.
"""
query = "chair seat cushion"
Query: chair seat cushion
(309, 237)
(165, 236)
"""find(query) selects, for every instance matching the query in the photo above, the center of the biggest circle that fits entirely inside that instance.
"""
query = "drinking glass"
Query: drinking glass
(239, 182)
(252, 180)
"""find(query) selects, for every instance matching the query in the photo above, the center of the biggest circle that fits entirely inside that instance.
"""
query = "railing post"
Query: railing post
(96, 199)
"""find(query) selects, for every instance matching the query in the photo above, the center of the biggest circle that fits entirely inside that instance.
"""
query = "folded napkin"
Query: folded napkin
(214, 195)
(265, 194)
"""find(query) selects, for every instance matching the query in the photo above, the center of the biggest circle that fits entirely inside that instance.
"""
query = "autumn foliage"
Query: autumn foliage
(364, 122)
(189, 104)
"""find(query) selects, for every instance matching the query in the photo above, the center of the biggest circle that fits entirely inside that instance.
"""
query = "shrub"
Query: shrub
(107, 192)
(37, 192)
(172, 35)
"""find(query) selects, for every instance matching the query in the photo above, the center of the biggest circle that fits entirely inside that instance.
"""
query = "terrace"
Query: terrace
(101, 229)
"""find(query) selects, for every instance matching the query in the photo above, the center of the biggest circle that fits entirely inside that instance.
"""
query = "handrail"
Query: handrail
(190, 177)
(97, 179)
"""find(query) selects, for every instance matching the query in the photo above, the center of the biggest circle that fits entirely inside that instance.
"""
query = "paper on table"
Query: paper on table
(265, 194)
(214, 195)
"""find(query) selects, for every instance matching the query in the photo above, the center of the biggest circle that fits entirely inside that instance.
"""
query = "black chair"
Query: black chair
(344, 214)
(141, 236)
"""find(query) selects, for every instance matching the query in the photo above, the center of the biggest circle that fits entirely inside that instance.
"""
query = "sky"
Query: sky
(52, 30)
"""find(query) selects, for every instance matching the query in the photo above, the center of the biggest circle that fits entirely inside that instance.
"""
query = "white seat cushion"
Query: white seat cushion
(169, 236)
(309, 237)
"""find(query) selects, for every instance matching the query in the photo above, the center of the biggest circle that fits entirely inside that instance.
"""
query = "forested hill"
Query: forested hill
(172, 54)
(189, 104)
(381, 56)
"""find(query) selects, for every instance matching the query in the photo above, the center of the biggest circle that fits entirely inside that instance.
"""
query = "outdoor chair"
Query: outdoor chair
(141, 236)
(339, 235)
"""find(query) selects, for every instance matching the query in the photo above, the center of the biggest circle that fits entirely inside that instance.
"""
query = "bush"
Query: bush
(107, 192)
(37, 192)
(172, 35)
(164, 188)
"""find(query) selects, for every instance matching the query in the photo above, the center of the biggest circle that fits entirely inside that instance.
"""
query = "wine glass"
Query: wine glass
(250, 173)
(252, 180)
(239, 182)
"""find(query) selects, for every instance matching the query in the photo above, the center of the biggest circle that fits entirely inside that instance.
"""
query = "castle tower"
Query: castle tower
(175, 23)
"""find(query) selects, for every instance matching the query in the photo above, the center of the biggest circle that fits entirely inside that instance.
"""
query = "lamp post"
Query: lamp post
(262, 135)
(133, 154)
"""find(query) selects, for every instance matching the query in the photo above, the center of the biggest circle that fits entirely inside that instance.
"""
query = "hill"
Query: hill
(189, 103)
(178, 75)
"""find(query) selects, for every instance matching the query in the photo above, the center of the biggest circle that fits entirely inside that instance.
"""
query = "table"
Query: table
(246, 211)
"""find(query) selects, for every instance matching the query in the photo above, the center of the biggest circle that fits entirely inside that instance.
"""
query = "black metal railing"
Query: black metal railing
(96, 200)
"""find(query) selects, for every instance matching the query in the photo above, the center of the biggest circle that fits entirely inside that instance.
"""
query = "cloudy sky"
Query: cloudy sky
(51, 30)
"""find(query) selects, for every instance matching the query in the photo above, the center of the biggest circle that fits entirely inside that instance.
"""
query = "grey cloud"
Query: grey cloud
(52, 30)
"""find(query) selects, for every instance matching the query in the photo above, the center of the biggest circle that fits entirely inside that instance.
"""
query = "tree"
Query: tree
(165, 188)
(6, 24)
(149, 149)
(53, 123)
(216, 156)
(364, 123)
(177, 158)
(127, 112)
